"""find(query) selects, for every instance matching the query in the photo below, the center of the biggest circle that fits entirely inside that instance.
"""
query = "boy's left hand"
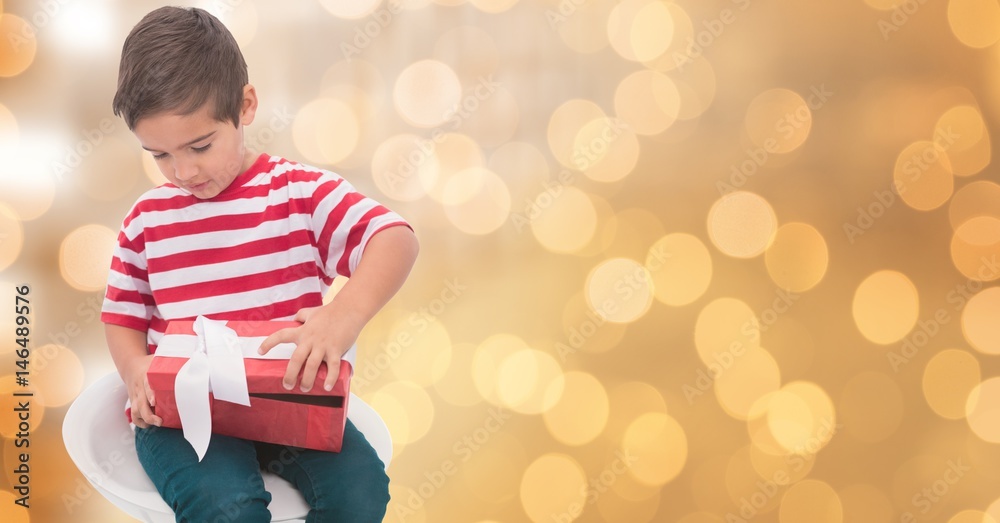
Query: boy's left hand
(323, 336)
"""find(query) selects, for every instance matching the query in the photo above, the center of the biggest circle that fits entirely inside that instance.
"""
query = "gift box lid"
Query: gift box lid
(264, 373)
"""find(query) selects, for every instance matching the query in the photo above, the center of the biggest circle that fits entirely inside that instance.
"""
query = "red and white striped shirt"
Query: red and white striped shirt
(265, 247)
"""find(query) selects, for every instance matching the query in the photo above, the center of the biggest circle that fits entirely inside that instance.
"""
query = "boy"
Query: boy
(235, 236)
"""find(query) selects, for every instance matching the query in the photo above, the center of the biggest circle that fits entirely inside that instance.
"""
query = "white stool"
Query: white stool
(101, 444)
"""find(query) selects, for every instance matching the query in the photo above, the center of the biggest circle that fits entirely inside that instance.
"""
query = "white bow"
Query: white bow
(216, 366)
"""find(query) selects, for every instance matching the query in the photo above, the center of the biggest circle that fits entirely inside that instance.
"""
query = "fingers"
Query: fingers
(304, 314)
(332, 373)
(282, 336)
(310, 370)
(142, 413)
(295, 363)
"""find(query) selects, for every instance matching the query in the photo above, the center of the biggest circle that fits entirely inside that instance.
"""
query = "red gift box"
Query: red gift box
(313, 420)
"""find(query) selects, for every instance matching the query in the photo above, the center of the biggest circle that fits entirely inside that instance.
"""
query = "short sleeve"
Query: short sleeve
(128, 301)
(345, 220)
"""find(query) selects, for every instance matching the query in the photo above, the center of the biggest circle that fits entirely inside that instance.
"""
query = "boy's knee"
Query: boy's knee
(215, 503)
(362, 500)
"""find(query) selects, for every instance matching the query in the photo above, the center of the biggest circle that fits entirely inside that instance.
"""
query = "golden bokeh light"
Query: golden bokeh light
(85, 255)
(58, 374)
(975, 247)
(640, 30)
(585, 330)
(971, 516)
(798, 258)
(979, 198)
(486, 363)
(471, 49)
(11, 236)
(793, 466)
(476, 201)
(651, 33)
(884, 5)
(351, 9)
(358, 74)
(742, 224)
(801, 417)
(616, 509)
(585, 31)
(450, 154)
(581, 412)
(325, 131)
(407, 410)
(619, 290)
(779, 120)
(529, 381)
(963, 132)
(493, 6)
(976, 23)
(9, 133)
(811, 500)
(871, 407)
(457, 386)
(11, 512)
(629, 233)
(405, 505)
(399, 164)
(553, 484)
(979, 324)
(701, 517)
(564, 222)
(885, 306)
(949, 377)
(913, 476)
(696, 85)
(425, 350)
(746, 488)
(492, 467)
(681, 268)
(18, 46)
(865, 503)
(425, 93)
(923, 175)
(627, 401)
(93, 176)
(725, 328)
(605, 149)
(659, 446)
(648, 101)
(960, 127)
(751, 376)
(491, 119)
(564, 127)
(522, 165)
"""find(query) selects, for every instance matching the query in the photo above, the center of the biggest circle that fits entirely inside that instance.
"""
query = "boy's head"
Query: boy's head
(177, 60)
(183, 90)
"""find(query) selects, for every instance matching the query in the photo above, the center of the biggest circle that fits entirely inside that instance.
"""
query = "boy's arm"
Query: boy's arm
(329, 331)
(128, 350)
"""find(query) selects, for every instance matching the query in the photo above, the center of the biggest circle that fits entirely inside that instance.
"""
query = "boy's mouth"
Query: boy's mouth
(197, 186)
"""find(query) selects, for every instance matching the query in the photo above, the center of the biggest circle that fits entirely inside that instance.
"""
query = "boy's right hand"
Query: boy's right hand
(139, 393)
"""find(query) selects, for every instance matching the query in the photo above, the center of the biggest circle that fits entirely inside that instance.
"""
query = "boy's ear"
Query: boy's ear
(248, 108)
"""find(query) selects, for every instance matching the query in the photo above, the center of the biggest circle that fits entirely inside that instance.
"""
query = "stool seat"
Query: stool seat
(101, 444)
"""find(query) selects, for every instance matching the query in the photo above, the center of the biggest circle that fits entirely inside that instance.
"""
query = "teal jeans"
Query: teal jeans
(226, 486)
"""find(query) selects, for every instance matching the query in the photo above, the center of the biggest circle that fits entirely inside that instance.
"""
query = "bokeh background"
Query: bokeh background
(698, 261)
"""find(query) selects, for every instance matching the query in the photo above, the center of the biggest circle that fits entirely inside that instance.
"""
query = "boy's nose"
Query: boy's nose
(184, 171)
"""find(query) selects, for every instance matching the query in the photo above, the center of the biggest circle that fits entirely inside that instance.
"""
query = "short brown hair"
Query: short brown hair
(178, 59)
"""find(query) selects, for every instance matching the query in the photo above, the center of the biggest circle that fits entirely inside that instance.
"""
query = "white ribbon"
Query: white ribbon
(215, 365)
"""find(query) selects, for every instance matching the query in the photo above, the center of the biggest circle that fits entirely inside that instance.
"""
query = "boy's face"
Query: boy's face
(196, 152)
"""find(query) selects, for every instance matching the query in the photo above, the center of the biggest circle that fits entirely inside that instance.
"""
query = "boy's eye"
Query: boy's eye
(201, 149)
(159, 156)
